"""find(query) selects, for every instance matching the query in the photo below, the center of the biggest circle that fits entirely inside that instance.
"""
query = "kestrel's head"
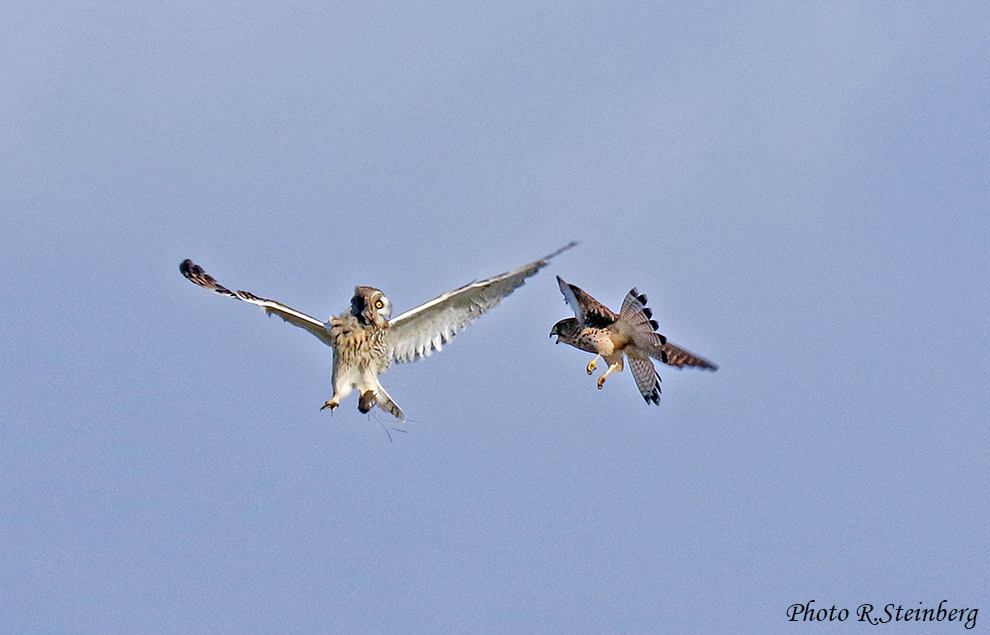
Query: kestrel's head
(370, 306)
(566, 331)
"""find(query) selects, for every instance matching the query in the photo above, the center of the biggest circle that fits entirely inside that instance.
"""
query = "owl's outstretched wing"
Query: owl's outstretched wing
(197, 276)
(421, 331)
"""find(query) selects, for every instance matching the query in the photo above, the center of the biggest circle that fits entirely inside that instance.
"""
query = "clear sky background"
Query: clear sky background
(801, 189)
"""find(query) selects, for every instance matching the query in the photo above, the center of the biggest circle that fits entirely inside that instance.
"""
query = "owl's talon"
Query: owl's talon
(332, 405)
(367, 401)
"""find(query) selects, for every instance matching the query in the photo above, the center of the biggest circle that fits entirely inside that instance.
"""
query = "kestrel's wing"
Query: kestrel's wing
(674, 355)
(196, 275)
(647, 379)
(587, 310)
(636, 313)
(420, 331)
(638, 316)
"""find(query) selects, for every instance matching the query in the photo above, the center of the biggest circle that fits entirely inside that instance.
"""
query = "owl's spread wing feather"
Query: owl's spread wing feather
(586, 309)
(421, 331)
(197, 276)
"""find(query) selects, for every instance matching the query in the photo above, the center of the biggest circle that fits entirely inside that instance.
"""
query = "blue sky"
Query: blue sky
(801, 189)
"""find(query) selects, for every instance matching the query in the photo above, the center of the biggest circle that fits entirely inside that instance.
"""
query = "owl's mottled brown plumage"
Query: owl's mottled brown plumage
(365, 341)
(631, 332)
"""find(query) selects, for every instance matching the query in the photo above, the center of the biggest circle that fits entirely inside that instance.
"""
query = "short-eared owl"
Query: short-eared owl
(365, 341)
(608, 335)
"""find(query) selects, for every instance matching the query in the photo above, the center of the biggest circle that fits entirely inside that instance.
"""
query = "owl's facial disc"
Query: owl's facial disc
(370, 306)
(382, 306)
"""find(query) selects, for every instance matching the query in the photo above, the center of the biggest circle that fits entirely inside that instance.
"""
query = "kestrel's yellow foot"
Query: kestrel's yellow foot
(592, 365)
(332, 405)
(613, 368)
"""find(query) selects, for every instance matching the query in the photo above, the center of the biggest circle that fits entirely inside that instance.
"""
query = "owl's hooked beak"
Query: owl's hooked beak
(361, 310)
(376, 318)
(370, 315)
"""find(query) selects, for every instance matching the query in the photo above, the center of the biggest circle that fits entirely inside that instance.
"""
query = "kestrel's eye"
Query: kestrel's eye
(379, 304)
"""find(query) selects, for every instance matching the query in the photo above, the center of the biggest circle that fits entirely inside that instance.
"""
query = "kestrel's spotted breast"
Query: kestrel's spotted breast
(595, 340)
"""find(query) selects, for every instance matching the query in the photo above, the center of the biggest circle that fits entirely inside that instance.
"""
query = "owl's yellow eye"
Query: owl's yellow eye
(379, 304)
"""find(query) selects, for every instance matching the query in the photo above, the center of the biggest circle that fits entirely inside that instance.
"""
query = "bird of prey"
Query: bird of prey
(594, 328)
(365, 341)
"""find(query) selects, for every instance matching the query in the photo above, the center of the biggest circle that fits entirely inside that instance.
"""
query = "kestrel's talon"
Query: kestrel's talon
(601, 382)
(592, 366)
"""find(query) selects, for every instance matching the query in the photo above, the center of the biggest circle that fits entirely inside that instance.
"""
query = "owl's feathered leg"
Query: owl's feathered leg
(592, 365)
(345, 379)
(613, 367)
(338, 394)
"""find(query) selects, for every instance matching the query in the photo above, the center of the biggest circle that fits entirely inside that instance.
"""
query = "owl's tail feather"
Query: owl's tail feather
(385, 403)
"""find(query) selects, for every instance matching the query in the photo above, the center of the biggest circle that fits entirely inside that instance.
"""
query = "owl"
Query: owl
(365, 339)
(631, 332)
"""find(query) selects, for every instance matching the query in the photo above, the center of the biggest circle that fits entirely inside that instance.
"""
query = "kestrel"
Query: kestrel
(631, 332)
(365, 341)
